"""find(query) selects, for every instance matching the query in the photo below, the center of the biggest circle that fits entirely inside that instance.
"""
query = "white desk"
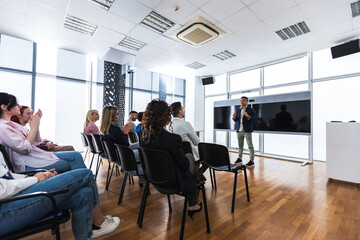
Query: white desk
(343, 151)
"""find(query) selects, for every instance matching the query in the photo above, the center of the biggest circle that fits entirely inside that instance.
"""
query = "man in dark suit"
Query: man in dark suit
(244, 121)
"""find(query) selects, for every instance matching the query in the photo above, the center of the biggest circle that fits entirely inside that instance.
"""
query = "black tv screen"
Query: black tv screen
(292, 116)
(289, 116)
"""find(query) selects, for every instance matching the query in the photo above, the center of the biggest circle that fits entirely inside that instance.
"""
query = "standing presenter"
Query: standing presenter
(244, 125)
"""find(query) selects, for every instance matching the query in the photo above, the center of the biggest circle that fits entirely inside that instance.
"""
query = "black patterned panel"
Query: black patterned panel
(114, 88)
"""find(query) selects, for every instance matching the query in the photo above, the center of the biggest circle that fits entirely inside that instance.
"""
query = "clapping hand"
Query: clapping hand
(127, 128)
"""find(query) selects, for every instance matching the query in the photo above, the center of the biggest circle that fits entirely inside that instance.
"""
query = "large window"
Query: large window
(16, 53)
(18, 85)
(245, 80)
(219, 86)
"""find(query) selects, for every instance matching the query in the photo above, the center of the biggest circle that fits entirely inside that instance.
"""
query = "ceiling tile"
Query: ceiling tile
(198, 3)
(16, 6)
(254, 31)
(86, 11)
(108, 35)
(222, 9)
(54, 4)
(149, 3)
(164, 43)
(196, 14)
(166, 8)
(265, 40)
(240, 20)
(152, 50)
(327, 18)
(43, 27)
(335, 29)
(265, 8)
(130, 10)
(249, 2)
(315, 7)
(75, 36)
(287, 18)
(12, 17)
(45, 14)
(117, 23)
(143, 34)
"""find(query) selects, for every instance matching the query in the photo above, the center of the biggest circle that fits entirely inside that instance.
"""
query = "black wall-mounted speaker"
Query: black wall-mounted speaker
(345, 49)
(208, 80)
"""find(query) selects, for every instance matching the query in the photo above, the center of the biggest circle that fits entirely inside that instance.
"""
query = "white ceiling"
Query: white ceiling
(250, 27)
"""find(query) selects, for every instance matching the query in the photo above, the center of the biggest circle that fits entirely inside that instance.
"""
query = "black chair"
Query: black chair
(113, 158)
(50, 221)
(128, 165)
(154, 162)
(133, 138)
(91, 147)
(187, 147)
(99, 150)
(85, 144)
(216, 157)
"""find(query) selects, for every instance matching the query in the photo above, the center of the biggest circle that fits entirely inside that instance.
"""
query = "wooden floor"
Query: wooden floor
(288, 201)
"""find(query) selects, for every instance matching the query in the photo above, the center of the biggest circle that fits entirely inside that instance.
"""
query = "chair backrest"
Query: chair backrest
(97, 144)
(214, 155)
(110, 151)
(90, 143)
(186, 147)
(6, 157)
(159, 169)
(127, 158)
(133, 138)
(83, 139)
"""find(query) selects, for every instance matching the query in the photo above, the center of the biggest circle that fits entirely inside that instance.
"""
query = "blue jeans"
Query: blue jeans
(81, 199)
(68, 161)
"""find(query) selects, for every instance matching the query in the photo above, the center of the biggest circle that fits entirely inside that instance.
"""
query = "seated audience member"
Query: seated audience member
(82, 199)
(138, 127)
(184, 128)
(24, 117)
(20, 142)
(154, 136)
(133, 115)
(90, 127)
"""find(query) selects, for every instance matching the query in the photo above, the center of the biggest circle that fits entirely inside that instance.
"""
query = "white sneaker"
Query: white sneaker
(100, 191)
(109, 225)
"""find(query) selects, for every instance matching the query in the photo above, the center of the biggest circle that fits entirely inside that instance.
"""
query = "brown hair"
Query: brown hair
(107, 116)
(156, 116)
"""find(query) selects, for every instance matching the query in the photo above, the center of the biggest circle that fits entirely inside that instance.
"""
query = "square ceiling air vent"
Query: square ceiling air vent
(132, 43)
(157, 23)
(195, 65)
(355, 8)
(293, 31)
(79, 25)
(104, 4)
(224, 55)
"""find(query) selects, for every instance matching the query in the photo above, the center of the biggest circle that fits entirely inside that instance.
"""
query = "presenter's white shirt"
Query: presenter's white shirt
(187, 133)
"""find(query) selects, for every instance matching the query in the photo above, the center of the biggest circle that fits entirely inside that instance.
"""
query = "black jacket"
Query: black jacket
(248, 124)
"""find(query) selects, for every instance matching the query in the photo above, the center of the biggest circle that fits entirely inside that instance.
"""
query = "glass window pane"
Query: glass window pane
(169, 99)
(127, 101)
(180, 99)
(288, 89)
(247, 94)
(71, 64)
(46, 59)
(325, 65)
(336, 100)
(286, 72)
(97, 96)
(142, 79)
(286, 145)
(221, 137)
(140, 101)
(16, 53)
(180, 86)
(245, 80)
(218, 87)
(234, 141)
(99, 71)
(209, 117)
(11, 82)
(155, 82)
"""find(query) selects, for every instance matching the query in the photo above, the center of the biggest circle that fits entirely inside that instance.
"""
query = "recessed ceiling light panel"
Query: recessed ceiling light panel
(104, 4)
(293, 31)
(224, 55)
(157, 23)
(195, 65)
(79, 25)
(132, 43)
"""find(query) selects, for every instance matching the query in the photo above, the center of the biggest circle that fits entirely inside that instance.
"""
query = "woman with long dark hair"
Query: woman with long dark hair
(154, 136)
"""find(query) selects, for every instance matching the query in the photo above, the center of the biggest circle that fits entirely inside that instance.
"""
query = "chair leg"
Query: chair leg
(97, 167)
(183, 218)
(57, 232)
(205, 209)
(246, 185)
(142, 202)
(108, 183)
(86, 152)
(170, 208)
(214, 179)
(211, 178)
(132, 178)
(123, 188)
(92, 159)
(146, 189)
(234, 192)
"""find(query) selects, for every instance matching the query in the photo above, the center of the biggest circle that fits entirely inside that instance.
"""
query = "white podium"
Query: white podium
(343, 151)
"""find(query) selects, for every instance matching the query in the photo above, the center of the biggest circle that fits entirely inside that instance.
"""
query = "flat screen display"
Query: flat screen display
(289, 116)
